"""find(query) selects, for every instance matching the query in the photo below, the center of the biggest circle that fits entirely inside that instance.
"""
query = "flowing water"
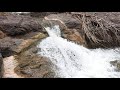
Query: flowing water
(75, 61)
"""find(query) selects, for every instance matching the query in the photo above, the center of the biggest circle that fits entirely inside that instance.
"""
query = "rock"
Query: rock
(1, 63)
(32, 65)
(2, 35)
(15, 25)
(75, 36)
(8, 46)
(27, 43)
(39, 36)
(70, 27)
(9, 64)
(66, 19)
(116, 63)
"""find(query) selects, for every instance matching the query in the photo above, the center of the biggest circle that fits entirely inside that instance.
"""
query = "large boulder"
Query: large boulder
(31, 65)
(14, 25)
(10, 46)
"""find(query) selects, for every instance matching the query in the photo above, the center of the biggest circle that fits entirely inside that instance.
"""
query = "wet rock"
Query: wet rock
(32, 65)
(29, 42)
(70, 27)
(1, 63)
(116, 63)
(75, 36)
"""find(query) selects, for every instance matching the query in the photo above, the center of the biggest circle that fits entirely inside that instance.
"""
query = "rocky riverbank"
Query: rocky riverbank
(19, 34)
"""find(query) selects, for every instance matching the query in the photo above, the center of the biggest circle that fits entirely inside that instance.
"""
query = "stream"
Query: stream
(75, 61)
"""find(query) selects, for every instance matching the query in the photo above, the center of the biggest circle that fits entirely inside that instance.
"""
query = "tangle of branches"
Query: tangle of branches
(99, 31)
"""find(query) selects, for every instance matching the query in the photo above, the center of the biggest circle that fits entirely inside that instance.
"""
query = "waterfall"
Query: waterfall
(75, 61)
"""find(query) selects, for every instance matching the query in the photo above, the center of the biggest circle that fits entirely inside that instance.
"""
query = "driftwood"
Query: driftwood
(100, 31)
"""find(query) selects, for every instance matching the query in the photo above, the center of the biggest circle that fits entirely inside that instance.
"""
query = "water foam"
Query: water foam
(75, 61)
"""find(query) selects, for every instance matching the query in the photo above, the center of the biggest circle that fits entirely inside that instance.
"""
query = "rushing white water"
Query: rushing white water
(75, 61)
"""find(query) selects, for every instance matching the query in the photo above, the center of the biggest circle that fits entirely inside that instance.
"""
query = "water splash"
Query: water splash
(75, 61)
